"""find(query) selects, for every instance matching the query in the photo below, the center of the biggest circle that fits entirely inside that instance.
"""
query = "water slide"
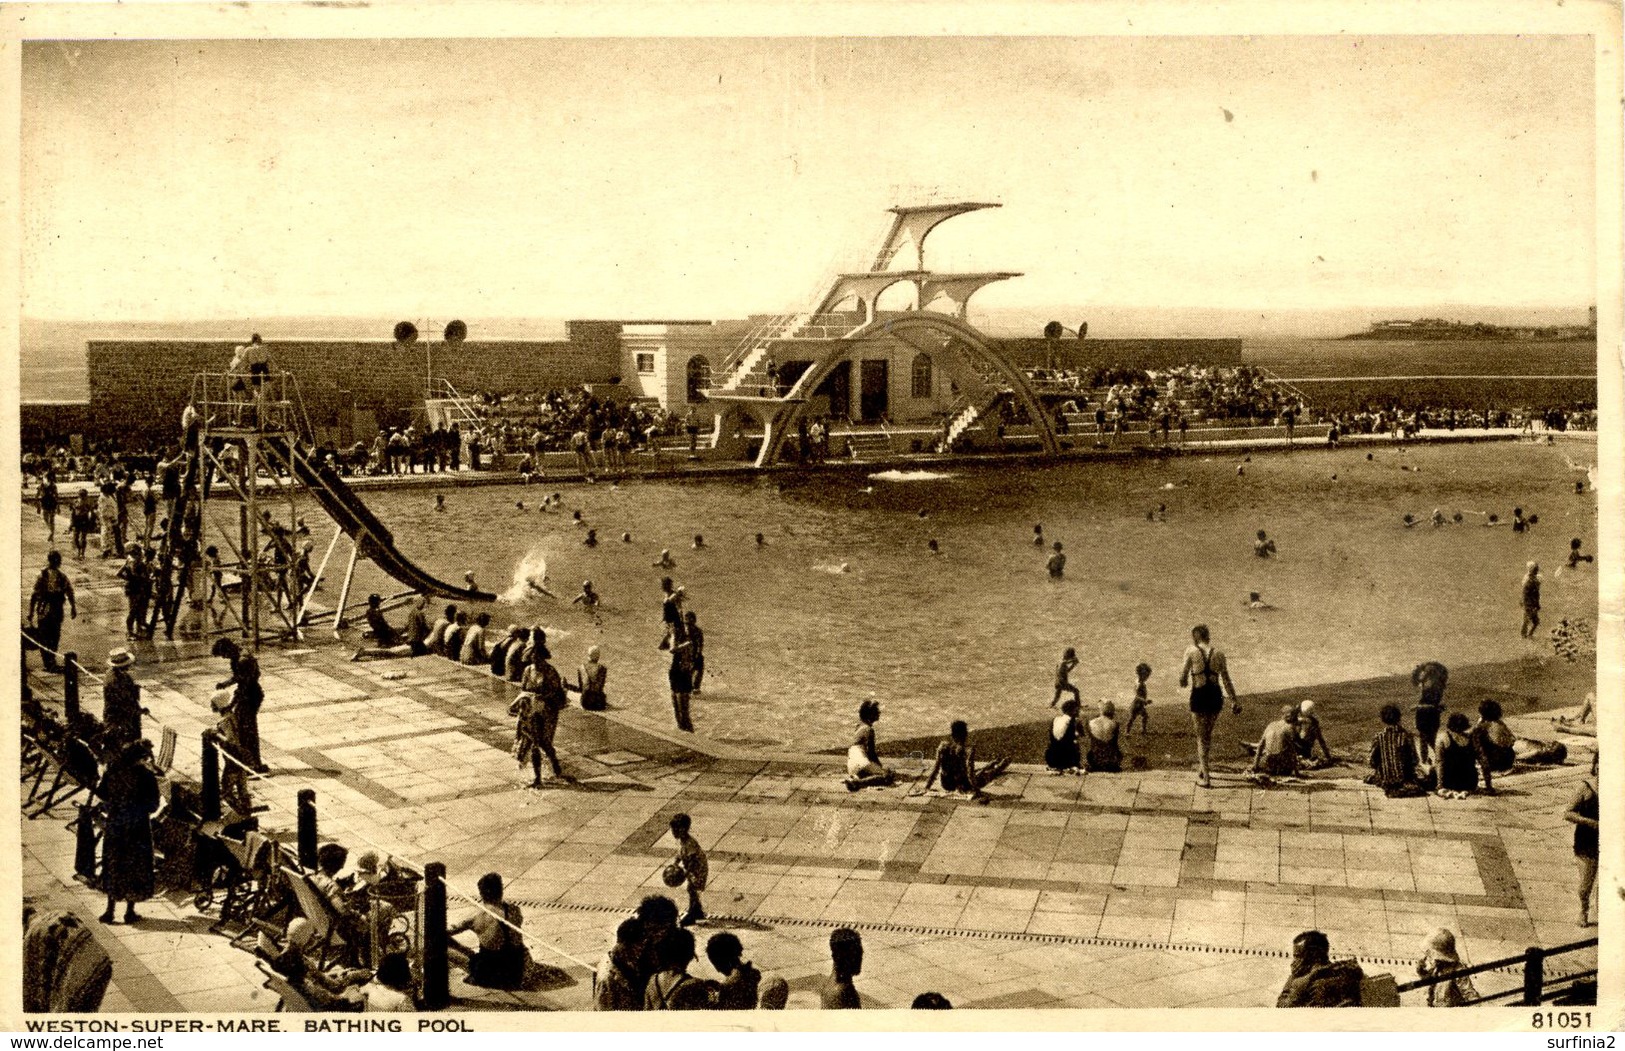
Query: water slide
(376, 542)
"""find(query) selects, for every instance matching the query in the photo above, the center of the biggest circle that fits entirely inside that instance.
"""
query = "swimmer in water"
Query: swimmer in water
(923, 514)
(577, 520)
(665, 561)
(1575, 557)
(588, 597)
(1038, 536)
(1056, 563)
(1263, 547)
(626, 538)
(1438, 518)
(537, 582)
(468, 578)
(933, 547)
(844, 567)
(591, 539)
(1240, 470)
(1409, 520)
(519, 505)
(1255, 601)
(699, 541)
(439, 501)
(761, 541)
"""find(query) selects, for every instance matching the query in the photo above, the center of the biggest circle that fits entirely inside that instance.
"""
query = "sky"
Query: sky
(169, 180)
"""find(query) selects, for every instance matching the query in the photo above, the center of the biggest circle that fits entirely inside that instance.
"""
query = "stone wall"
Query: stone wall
(139, 387)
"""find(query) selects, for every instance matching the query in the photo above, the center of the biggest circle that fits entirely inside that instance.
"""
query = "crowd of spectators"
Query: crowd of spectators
(549, 421)
(1210, 392)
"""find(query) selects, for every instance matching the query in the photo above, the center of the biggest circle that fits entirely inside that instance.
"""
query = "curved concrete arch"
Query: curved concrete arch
(929, 323)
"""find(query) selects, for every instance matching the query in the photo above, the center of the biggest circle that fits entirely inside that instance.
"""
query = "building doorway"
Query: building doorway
(873, 400)
(837, 388)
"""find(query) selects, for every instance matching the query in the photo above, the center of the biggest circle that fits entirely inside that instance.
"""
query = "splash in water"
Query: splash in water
(529, 580)
(910, 476)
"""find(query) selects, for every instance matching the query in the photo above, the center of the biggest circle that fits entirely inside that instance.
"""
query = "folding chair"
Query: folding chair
(323, 917)
(290, 999)
(75, 775)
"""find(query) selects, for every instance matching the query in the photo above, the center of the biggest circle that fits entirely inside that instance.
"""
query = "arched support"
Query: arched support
(924, 327)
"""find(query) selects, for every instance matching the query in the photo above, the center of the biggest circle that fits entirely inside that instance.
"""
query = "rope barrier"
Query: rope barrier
(63, 657)
(394, 856)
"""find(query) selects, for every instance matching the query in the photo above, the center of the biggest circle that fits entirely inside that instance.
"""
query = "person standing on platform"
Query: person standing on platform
(246, 701)
(52, 591)
(1430, 679)
(121, 700)
(1582, 814)
(1208, 674)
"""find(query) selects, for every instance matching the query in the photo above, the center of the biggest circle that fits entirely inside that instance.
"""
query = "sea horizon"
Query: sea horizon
(52, 366)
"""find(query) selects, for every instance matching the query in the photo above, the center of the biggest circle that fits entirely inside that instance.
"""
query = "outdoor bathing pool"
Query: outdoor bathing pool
(793, 643)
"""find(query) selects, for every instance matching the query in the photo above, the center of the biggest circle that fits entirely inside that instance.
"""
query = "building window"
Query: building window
(922, 375)
(646, 363)
(699, 377)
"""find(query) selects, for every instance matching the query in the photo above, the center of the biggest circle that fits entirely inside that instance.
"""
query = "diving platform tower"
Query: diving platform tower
(827, 330)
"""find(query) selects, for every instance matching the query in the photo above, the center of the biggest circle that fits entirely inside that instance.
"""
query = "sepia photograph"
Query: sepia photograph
(1075, 520)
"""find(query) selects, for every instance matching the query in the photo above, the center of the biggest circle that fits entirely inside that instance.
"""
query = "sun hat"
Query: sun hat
(120, 658)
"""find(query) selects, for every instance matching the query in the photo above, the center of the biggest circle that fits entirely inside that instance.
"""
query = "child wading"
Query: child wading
(1063, 678)
(691, 864)
(1141, 707)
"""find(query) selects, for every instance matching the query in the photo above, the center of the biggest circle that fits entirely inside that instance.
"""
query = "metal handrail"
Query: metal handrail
(1534, 977)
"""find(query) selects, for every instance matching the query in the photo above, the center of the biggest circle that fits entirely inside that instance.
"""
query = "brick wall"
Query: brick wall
(139, 387)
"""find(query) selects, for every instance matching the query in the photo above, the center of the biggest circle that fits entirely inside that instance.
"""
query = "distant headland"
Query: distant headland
(1439, 328)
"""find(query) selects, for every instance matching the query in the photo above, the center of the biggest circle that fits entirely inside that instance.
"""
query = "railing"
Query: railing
(1534, 990)
(464, 407)
(268, 402)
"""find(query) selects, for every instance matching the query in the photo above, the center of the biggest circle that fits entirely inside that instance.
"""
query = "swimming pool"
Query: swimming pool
(793, 643)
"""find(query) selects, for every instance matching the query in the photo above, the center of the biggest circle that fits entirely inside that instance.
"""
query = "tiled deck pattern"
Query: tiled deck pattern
(1124, 890)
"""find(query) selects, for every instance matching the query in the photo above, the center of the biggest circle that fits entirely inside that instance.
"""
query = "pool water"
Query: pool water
(793, 643)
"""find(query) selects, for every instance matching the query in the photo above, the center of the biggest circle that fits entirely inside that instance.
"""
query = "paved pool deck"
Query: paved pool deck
(1125, 890)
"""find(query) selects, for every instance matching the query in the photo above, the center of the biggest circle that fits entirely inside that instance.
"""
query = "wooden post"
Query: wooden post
(211, 778)
(70, 688)
(307, 828)
(1534, 975)
(436, 968)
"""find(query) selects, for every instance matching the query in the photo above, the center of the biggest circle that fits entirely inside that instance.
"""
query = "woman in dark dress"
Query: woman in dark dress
(1062, 754)
(245, 708)
(1457, 758)
(129, 795)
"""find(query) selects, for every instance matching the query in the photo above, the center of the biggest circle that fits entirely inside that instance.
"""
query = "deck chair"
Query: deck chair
(289, 998)
(75, 776)
(35, 764)
(165, 759)
(315, 907)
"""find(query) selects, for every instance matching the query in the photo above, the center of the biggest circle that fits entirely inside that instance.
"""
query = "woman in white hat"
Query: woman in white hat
(121, 700)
